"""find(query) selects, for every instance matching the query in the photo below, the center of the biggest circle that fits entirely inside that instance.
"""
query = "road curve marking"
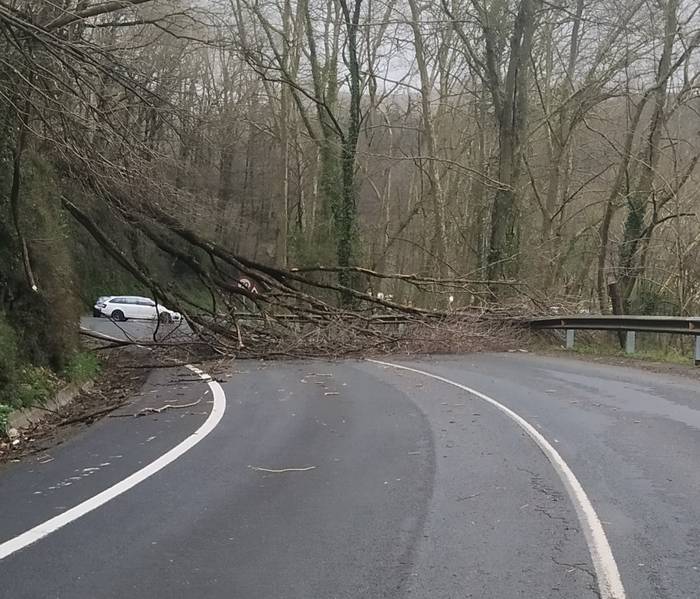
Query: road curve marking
(46, 528)
(607, 573)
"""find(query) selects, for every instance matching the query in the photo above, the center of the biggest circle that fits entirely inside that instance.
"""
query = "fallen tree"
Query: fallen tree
(96, 113)
(297, 311)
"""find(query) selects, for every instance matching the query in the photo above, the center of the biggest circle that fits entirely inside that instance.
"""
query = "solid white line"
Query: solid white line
(46, 528)
(609, 582)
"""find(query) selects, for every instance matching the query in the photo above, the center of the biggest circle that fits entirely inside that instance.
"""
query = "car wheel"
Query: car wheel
(165, 318)
(118, 315)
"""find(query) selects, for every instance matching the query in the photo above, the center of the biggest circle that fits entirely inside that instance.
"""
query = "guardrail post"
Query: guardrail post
(570, 337)
(630, 342)
(697, 350)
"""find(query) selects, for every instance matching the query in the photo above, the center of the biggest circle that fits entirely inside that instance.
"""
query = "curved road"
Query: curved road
(401, 486)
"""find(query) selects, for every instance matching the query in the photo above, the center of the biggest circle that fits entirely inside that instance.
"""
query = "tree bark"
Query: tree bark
(435, 185)
(631, 266)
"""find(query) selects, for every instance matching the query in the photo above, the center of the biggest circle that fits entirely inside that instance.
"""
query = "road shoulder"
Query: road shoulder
(77, 467)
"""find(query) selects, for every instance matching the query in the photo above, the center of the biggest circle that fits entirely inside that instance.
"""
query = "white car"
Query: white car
(96, 312)
(123, 307)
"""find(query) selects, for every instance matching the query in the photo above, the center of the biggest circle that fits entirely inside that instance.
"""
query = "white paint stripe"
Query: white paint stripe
(609, 582)
(46, 528)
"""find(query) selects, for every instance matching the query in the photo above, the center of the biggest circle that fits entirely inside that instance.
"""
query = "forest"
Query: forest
(433, 155)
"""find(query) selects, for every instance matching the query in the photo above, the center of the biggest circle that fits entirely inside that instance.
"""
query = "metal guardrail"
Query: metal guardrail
(676, 325)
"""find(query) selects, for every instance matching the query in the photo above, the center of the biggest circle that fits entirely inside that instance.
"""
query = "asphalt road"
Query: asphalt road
(404, 486)
(136, 330)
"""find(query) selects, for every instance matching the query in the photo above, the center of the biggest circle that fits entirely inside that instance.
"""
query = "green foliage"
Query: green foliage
(98, 276)
(652, 351)
(44, 321)
(38, 329)
(8, 361)
(201, 296)
(671, 355)
(315, 250)
(82, 367)
(21, 385)
(35, 386)
(318, 246)
(29, 386)
(4, 412)
(651, 299)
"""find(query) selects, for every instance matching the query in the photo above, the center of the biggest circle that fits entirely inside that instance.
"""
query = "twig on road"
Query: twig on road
(91, 415)
(167, 406)
(282, 470)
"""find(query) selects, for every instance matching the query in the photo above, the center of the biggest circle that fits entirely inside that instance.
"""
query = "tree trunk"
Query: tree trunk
(439, 244)
(512, 118)
(630, 264)
(346, 216)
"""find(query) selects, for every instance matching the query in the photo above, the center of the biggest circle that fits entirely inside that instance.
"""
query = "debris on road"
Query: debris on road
(110, 391)
(167, 406)
(281, 470)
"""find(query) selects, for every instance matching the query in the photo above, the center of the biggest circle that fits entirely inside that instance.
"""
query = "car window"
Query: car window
(117, 300)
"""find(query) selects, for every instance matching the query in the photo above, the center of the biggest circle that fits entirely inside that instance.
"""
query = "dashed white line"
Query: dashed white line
(608, 575)
(46, 528)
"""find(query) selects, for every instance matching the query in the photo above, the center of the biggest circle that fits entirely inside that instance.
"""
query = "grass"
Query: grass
(82, 367)
(4, 411)
(667, 355)
(651, 347)
(24, 385)
(35, 385)
(32, 386)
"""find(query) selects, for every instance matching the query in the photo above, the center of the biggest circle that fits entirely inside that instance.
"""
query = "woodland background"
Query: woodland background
(544, 148)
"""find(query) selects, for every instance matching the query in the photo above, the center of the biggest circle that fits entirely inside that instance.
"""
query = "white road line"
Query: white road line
(46, 528)
(609, 582)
